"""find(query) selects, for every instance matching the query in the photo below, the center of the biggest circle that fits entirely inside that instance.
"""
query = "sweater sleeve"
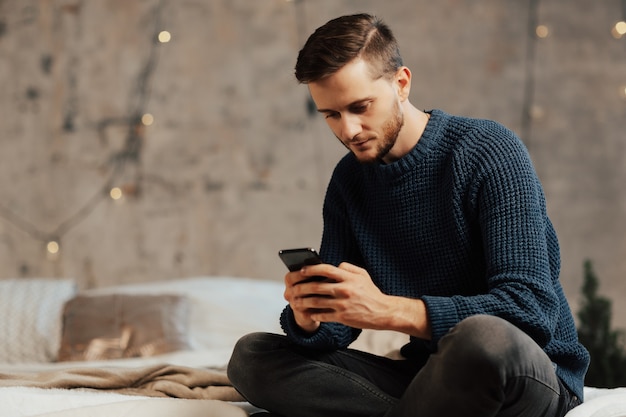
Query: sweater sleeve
(337, 246)
(519, 244)
(329, 336)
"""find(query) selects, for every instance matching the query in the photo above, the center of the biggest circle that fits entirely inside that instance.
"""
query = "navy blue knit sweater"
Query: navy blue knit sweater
(461, 223)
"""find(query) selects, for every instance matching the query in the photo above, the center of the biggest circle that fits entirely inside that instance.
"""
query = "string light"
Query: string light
(53, 247)
(116, 193)
(164, 36)
(120, 160)
(147, 119)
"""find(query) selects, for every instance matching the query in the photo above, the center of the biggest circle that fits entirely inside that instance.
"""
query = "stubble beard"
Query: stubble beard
(391, 130)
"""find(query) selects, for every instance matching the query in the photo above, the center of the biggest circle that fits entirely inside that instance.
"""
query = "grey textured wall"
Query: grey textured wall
(234, 166)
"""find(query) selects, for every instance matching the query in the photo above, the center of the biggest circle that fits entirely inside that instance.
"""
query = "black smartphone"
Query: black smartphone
(295, 259)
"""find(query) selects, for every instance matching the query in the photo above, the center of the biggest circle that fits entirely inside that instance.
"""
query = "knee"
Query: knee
(486, 343)
(249, 357)
(247, 346)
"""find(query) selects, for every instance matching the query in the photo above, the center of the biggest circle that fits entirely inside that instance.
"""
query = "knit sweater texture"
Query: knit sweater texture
(459, 222)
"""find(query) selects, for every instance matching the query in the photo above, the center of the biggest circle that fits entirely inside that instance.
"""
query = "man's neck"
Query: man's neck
(415, 122)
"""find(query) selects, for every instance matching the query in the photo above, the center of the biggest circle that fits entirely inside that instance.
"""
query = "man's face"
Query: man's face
(363, 113)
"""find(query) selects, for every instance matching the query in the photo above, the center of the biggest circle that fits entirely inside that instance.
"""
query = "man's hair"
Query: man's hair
(343, 39)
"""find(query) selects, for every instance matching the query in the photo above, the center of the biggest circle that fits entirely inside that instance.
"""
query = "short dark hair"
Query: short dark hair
(343, 39)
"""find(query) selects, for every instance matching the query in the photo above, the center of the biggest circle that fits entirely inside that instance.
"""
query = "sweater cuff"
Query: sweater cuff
(328, 336)
(442, 314)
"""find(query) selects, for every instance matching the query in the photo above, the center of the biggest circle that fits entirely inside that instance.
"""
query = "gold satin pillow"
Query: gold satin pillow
(114, 326)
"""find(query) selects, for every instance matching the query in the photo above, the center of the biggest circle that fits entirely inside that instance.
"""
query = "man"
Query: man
(434, 226)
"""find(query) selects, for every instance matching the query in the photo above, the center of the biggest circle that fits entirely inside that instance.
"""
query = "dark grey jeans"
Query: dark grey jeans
(483, 367)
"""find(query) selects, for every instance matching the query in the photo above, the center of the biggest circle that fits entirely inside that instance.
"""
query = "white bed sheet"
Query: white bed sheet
(31, 402)
(601, 402)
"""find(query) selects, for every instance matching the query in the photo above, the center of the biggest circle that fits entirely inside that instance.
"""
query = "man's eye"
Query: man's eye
(331, 115)
(359, 109)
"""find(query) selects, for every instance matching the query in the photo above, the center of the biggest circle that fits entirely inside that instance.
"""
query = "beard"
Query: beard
(390, 131)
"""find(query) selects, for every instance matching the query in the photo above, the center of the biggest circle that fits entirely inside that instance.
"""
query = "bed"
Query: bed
(152, 349)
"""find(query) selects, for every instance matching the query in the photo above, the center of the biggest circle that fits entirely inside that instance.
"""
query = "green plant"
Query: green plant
(606, 346)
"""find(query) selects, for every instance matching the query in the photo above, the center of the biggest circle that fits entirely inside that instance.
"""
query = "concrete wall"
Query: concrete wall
(234, 165)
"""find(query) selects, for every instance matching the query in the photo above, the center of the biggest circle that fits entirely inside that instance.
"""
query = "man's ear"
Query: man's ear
(403, 82)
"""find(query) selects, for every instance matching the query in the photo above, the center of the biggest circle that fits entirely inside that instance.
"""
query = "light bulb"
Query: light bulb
(147, 119)
(116, 193)
(164, 36)
(53, 247)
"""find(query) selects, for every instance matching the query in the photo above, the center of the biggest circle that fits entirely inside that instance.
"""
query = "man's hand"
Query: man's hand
(348, 296)
(294, 291)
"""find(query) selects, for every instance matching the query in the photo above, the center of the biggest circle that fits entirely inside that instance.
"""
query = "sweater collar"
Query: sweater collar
(423, 147)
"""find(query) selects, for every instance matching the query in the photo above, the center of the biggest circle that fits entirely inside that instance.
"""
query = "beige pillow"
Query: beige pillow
(116, 326)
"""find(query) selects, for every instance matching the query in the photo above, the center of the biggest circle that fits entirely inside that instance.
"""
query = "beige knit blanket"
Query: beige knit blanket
(153, 381)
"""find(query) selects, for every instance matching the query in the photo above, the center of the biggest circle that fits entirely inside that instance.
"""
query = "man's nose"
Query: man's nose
(350, 127)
